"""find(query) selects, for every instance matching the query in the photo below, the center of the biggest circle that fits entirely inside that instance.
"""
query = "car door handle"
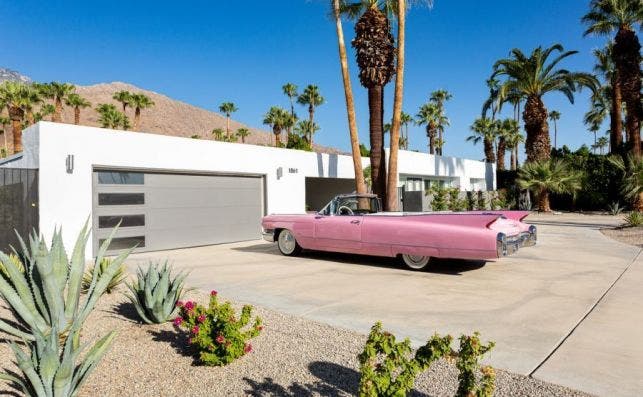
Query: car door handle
(355, 222)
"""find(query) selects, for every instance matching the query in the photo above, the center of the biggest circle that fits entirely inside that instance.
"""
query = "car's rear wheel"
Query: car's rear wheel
(416, 262)
(287, 243)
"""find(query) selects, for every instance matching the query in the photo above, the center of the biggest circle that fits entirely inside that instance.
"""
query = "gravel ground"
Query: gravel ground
(627, 235)
(292, 357)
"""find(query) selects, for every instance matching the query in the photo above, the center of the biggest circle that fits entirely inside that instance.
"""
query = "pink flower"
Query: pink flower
(178, 321)
(201, 318)
(189, 341)
(189, 305)
(220, 339)
(247, 348)
(195, 329)
(179, 303)
(213, 293)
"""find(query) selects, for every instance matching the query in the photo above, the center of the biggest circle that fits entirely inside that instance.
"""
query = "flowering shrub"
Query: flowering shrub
(468, 363)
(216, 332)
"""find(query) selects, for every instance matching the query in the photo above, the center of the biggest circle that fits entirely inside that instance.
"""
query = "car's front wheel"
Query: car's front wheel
(416, 262)
(287, 243)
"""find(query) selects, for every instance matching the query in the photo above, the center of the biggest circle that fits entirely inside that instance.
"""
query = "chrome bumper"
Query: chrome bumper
(268, 235)
(509, 245)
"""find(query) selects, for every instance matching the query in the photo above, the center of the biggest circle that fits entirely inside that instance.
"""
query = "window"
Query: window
(120, 178)
(121, 198)
(357, 205)
(110, 221)
(120, 243)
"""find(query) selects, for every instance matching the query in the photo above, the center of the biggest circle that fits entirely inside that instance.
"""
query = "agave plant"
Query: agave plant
(614, 208)
(100, 268)
(46, 297)
(155, 292)
(15, 259)
(49, 372)
(634, 219)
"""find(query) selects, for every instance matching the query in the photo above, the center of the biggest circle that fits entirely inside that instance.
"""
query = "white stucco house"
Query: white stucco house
(172, 192)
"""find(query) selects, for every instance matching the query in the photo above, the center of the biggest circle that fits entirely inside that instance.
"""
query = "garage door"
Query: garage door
(161, 211)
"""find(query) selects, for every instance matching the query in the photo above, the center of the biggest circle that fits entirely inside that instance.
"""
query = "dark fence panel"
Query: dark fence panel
(18, 204)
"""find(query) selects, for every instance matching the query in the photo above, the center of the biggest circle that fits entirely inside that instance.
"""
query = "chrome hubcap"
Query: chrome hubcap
(286, 242)
(416, 261)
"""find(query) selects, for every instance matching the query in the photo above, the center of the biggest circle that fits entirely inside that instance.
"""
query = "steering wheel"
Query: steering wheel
(344, 210)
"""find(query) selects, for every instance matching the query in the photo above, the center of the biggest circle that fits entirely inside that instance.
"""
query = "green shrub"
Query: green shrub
(216, 332)
(481, 203)
(455, 203)
(49, 369)
(468, 363)
(634, 219)
(614, 208)
(500, 201)
(117, 280)
(49, 298)
(388, 368)
(471, 201)
(439, 198)
(155, 293)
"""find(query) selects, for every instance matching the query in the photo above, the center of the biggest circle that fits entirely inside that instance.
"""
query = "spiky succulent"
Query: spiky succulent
(15, 259)
(52, 370)
(117, 280)
(46, 297)
(156, 292)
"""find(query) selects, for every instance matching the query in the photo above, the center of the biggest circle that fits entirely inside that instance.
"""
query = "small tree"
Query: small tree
(544, 177)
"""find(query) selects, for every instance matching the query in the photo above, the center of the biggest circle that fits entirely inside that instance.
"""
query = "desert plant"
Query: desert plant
(15, 259)
(455, 203)
(46, 298)
(156, 292)
(543, 177)
(634, 219)
(500, 202)
(52, 370)
(481, 202)
(614, 208)
(468, 363)
(439, 198)
(216, 332)
(471, 201)
(118, 279)
(388, 367)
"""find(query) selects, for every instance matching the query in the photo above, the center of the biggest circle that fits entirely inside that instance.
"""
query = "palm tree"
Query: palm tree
(58, 92)
(243, 133)
(110, 117)
(622, 17)
(313, 99)
(3, 123)
(124, 98)
(12, 95)
(545, 176)
(532, 77)
(290, 90)
(485, 130)
(219, 134)
(31, 96)
(610, 95)
(375, 51)
(513, 138)
(306, 128)
(602, 143)
(227, 108)
(360, 186)
(594, 128)
(632, 187)
(47, 109)
(276, 118)
(77, 102)
(431, 116)
(506, 130)
(554, 116)
(440, 97)
(138, 102)
(406, 119)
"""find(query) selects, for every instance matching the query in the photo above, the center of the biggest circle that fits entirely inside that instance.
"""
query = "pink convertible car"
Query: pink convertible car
(354, 224)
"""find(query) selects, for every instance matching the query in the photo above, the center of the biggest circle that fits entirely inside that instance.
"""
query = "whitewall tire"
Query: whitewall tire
(287, 244)
(416, 262)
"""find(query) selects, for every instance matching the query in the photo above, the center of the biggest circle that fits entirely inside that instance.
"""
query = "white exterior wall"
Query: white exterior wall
(66, 198)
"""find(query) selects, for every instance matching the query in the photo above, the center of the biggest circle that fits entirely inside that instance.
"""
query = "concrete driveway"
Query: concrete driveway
(534, 304)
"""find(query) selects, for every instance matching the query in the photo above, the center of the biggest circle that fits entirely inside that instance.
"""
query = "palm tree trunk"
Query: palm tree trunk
(537, 143)
(627, 59)
(513, 159)
(58, 109)
(77, 115)
(378, 170)
(30, 118)
(517, 159)
(137, 118)
(391, 184)
(488, 151)
(227, 126)
(311, 117)
(439, 149)
(555, 134)
(430, 133)
(543, 201)
(616, 116)
(502, 148)
(277, 133)
(16, 126)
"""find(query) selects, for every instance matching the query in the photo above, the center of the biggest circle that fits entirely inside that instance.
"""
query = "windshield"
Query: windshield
(351, 205)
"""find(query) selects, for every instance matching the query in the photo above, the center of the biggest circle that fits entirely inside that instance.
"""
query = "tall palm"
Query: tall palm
(406, 119)
(513, 139)
(243, 133)
(47, 109)
(77, 102)
(110, 117)
(124, 98)
(58, 92)
(505, 129)
(360, 186)
(484, 130)
(276, 118)
(430, 116)
(548, 176)
(12, 96)
(375, 51)
(622, 17)
(611, 94)
(290, 90)
(532, 77)
(493, 103)
(31, 97)
(227, 108)
(306, 128)
(554, 116)
(598, 112)
(440, 97)
(594, 128)
(138, 102)
(311, 97)
(602, 143)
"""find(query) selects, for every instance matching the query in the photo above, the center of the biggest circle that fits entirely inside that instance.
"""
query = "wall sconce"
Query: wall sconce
(69, 163)
(280, 173)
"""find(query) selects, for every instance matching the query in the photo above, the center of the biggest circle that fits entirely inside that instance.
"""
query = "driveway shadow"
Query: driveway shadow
(333, 380)
(453, 267)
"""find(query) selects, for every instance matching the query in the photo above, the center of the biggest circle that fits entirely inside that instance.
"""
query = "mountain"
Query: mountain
(12, 75)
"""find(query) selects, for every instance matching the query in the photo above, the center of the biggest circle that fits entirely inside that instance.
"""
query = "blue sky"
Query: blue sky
(205, 53)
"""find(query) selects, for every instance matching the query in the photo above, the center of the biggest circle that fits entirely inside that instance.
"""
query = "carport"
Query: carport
(319, 191)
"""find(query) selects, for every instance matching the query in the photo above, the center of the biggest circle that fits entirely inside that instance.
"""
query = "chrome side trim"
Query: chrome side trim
(268, 235)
